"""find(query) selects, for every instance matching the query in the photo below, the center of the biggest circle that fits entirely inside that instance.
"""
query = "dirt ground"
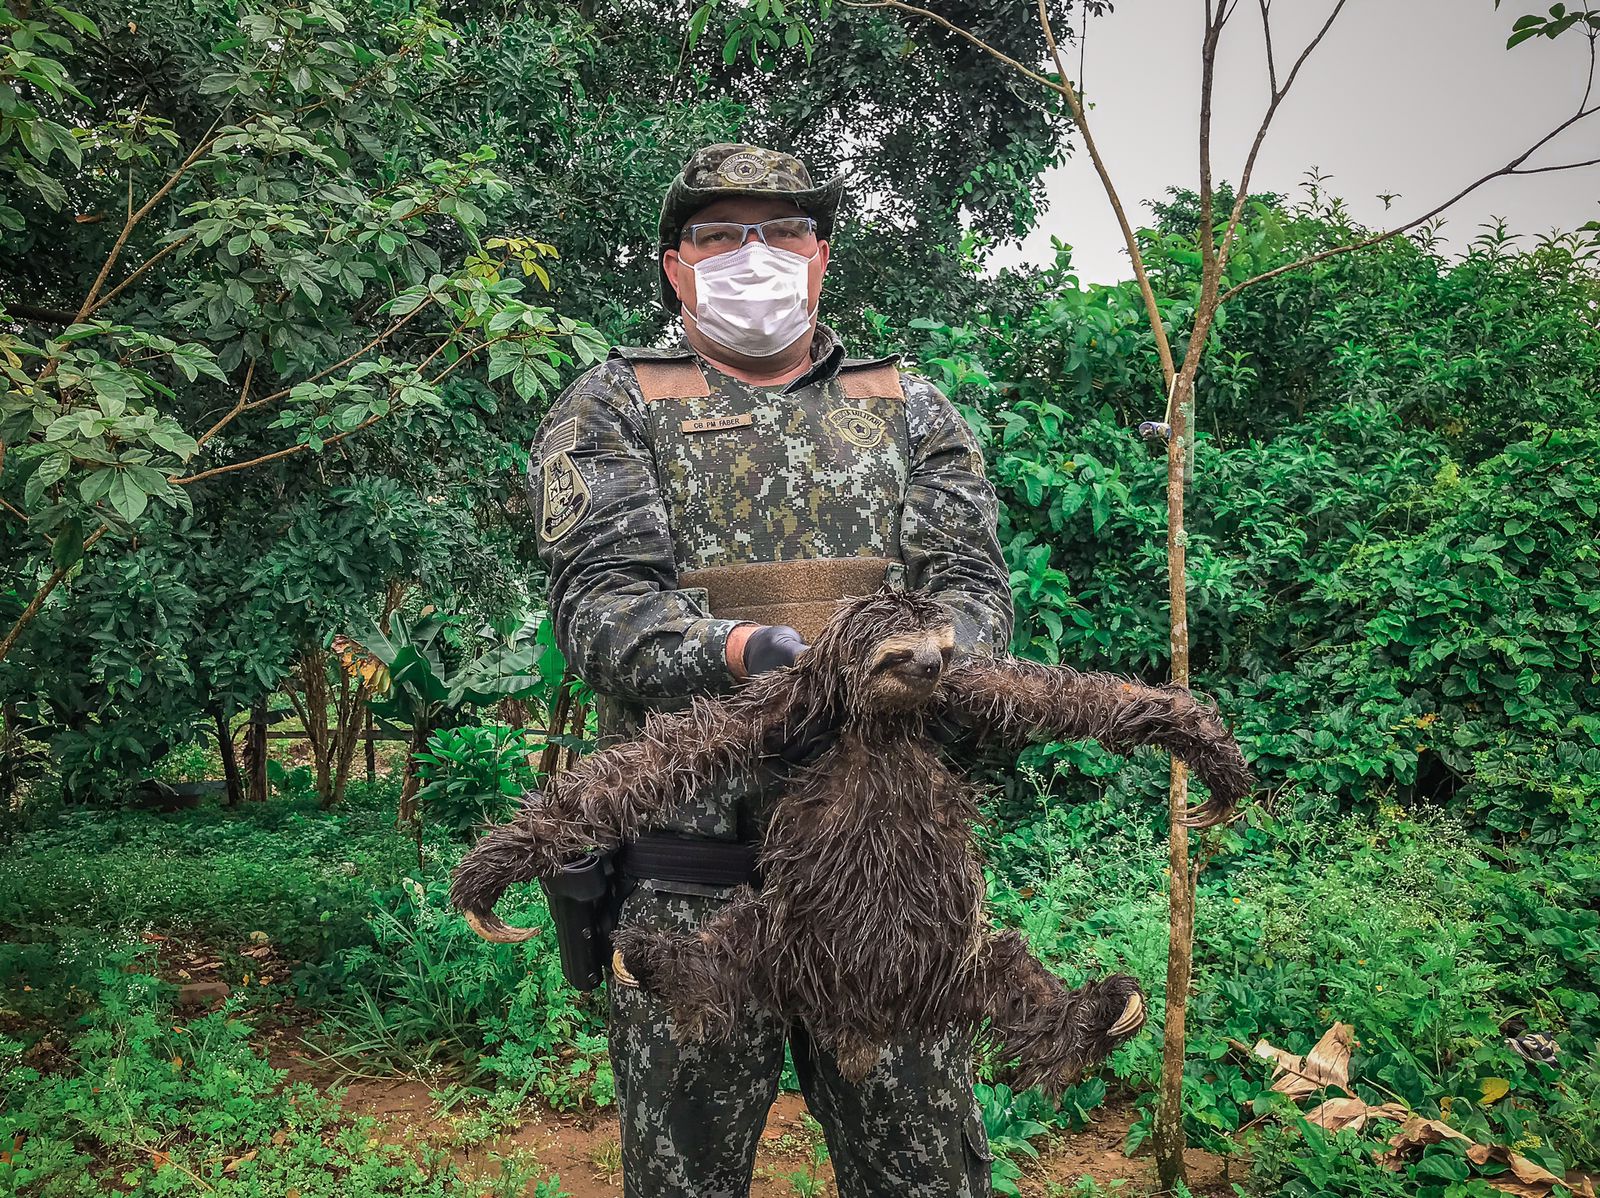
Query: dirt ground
(583, 1149)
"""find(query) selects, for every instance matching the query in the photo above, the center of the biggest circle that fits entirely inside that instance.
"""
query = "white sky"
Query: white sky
(1418, 97)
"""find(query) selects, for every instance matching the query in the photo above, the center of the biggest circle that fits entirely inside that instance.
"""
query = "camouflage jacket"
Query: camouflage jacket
(628, 495)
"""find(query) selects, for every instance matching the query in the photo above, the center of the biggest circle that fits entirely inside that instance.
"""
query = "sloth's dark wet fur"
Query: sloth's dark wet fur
(870, 924)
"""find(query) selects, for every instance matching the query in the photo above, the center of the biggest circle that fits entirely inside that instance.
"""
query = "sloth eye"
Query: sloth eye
(897, 657)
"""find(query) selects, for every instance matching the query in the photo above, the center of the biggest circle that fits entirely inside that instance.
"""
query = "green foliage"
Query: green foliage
(1009, 1132)
(1392, 571)
(90, 884)
(475, 775)
(430, 990)
(147, 1105)
(494, 664)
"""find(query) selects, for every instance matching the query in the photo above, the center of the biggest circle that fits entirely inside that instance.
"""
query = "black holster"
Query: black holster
(581, 909)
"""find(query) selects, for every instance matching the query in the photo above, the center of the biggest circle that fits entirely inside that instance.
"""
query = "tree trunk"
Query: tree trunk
(350, 715)
(372, 757)
(230, 763)
(256, 751)
(1168, 1139)
(311, 705)
(10, 754)
(407, 812)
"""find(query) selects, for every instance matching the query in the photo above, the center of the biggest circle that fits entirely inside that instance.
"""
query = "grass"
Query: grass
(1433, 939)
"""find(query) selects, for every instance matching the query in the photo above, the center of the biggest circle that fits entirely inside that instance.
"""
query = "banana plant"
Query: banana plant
(416, 676)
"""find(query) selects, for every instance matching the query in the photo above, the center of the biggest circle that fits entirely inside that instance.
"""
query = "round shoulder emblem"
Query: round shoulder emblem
(858, 426)
(745, 168)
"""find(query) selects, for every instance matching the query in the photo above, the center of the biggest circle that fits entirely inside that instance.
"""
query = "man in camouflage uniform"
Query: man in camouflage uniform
(700, 509)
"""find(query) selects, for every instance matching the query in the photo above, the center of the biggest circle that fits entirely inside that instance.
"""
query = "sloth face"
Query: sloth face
(905, 667)
(882, 654)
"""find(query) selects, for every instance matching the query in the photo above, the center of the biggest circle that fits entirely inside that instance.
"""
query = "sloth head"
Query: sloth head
(883, 653)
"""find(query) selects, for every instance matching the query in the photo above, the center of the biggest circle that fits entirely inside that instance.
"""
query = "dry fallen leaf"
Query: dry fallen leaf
(1327, 1064)
(1525, 1179)
(233, 1165)
(1337, 1114)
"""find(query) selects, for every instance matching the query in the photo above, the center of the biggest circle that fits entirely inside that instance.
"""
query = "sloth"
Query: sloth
(869, 924)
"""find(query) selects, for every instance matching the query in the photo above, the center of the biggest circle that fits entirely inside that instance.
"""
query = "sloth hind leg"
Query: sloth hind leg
(707, 977)
(1052, 1033)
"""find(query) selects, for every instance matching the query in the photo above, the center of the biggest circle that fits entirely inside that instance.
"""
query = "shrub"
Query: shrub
(149, 1106)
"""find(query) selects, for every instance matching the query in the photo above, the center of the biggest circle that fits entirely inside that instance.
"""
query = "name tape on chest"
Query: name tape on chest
(716, 424)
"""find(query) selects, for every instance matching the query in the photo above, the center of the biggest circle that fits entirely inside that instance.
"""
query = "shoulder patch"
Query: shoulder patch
(565, 496)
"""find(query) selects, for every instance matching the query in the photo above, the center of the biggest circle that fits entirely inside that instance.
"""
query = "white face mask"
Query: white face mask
(753, 300)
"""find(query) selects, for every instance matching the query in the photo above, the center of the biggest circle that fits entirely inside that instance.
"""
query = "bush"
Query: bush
(474, 775)
(430, 991)
(148, 1106)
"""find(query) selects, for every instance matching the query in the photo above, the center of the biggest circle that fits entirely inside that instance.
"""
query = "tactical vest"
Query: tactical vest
(779, 504)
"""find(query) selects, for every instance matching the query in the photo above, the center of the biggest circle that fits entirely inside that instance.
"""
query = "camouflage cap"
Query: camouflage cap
(735, 169)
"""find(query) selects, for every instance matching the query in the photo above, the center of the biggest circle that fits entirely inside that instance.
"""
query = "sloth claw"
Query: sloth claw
(1131, 1018)
(619, 970)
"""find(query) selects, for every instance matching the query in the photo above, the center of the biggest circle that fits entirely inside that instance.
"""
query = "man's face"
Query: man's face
(747, 210)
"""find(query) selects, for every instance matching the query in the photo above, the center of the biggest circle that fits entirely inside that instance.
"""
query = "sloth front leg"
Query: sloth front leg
(1053, 1033)
(709, 977)
(604, 801)
(1023, 701)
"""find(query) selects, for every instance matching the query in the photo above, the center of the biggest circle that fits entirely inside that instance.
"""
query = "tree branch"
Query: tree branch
(365, 349)
(135, 216)
(1129, 238)
(1278, 94)
(139, 272)
(1041, 80)
(1064, 89)
(277, 455)
(1509, 168)
(238, 406)
(37, 601)
(32, 312)
(1564, 166)
(1266, 33)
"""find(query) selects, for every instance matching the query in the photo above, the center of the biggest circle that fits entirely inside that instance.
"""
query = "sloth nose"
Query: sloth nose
(927, 665)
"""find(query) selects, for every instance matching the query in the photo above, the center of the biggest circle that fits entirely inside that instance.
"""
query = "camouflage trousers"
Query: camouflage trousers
(692, 1114)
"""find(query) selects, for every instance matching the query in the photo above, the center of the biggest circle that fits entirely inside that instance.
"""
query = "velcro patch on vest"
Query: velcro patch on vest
(716, 424)
(872, 382)
(670, 378)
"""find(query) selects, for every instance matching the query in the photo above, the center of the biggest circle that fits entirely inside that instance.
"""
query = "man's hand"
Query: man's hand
(770, 647)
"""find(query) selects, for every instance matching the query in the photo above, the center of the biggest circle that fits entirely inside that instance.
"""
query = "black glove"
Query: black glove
(802, 743)
(771, 647)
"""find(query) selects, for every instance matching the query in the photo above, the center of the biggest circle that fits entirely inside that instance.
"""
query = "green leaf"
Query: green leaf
(174, 440)
(127, 497)
(96, 485)
(697, 23)
(51, 470)
(67, 549)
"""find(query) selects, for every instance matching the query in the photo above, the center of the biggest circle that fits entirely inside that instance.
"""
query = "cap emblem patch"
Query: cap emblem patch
(744, 168)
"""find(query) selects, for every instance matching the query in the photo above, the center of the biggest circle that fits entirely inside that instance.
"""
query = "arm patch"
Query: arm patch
(564, 494)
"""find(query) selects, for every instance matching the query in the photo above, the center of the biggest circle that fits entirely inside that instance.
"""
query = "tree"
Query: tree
(1218, 234)
(255, 389)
